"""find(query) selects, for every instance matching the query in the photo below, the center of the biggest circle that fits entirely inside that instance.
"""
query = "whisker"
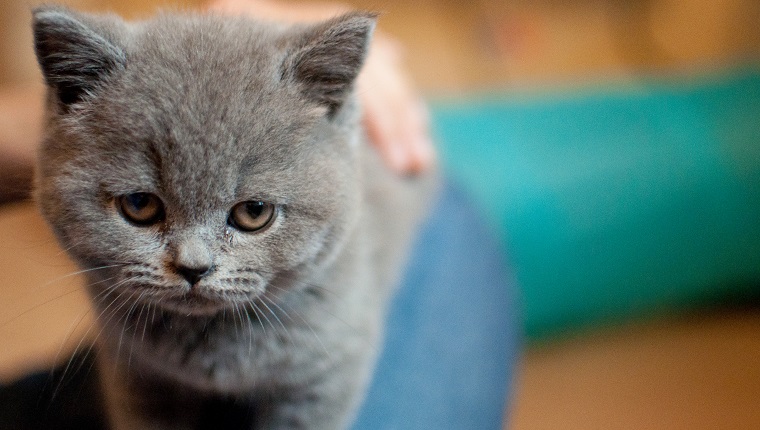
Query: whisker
(137, 325)
(145, 325)
(124, 317)
(274, 314)
(65, 341)
(257, 313)
(78, 272)
(235, 314)
(302, 282)
(39, 305)
(311, 329)
(71, 331)
(326, 311)
(84, 336)
(99, 319)
(250, 333)
(262, 314)
(71, 246)
(152, 319)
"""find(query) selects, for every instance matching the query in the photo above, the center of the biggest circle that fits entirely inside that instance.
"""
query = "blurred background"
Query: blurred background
(613, 145)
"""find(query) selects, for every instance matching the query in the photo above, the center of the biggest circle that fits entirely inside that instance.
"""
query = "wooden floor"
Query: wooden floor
(694, 372)
(40, 301)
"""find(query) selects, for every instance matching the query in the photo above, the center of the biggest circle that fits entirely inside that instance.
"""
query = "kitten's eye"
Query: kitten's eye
(141, 208)
(251, 216)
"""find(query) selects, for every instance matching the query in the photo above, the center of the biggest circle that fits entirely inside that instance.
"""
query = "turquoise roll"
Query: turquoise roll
(615, 203)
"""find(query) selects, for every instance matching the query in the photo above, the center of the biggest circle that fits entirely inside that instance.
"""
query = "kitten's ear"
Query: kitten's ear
(73, 55)
(328, 58)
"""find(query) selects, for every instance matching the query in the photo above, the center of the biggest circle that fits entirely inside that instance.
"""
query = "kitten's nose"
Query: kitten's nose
(193, 260)
(193, 274)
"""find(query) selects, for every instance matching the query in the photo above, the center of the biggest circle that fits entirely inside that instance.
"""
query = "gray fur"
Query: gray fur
(207, 112)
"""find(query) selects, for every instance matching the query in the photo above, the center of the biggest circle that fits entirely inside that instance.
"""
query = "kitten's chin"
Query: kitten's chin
(193, 303)
(192, 306)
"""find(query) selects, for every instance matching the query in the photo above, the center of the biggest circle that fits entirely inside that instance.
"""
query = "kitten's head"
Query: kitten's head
(191, 161)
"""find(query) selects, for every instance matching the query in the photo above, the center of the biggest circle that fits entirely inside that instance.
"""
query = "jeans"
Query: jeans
(452, 333)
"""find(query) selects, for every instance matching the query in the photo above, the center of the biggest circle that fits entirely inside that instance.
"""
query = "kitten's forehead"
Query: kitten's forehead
(205, 102)
(206, 72)
(197, 45)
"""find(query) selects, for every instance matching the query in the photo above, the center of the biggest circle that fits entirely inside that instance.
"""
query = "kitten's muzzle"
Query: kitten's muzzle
(193, 259)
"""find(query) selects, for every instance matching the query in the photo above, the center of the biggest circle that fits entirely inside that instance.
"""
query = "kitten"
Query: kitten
(240, 239)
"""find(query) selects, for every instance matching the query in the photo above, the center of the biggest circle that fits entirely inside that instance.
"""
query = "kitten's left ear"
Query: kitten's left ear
(327, 58)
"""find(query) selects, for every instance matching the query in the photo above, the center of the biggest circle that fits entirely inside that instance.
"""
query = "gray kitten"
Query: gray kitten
(241, 241)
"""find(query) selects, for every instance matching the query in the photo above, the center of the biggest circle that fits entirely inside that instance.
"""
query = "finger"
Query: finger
(380, 123)
(398, 123)
(396, 117)
(421, 151)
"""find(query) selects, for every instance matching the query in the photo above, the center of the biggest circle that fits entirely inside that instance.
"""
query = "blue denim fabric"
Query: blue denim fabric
(453, 330)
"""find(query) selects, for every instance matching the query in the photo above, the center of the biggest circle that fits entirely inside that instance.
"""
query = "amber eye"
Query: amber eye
(251, 216)
(143, 209)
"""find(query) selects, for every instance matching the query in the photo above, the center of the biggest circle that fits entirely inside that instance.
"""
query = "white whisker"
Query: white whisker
(311, 329)
(274, 314)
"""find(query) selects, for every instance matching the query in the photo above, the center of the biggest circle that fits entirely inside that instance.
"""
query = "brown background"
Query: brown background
(687, 371)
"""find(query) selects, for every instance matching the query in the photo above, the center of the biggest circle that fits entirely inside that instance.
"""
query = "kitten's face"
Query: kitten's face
(204, 166)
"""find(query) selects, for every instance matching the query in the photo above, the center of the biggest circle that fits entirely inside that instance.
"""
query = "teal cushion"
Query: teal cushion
(616, 202)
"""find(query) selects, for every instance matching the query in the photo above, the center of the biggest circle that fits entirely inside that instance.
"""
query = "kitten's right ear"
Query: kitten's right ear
(73, 56)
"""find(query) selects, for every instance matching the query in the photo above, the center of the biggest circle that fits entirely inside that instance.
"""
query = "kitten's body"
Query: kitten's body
(205, 112)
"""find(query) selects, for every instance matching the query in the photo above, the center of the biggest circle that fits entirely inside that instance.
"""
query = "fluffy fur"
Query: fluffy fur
(206, 112)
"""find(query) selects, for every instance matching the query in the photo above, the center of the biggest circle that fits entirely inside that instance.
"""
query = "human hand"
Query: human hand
(395, 116)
